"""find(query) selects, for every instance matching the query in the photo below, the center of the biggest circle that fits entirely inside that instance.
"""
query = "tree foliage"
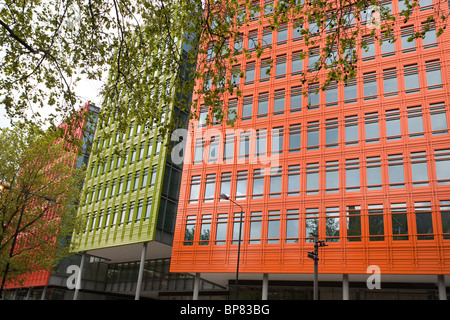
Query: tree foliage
(135, 44)
(37, 169)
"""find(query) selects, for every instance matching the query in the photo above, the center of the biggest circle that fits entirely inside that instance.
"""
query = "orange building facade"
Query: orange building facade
(366, 165)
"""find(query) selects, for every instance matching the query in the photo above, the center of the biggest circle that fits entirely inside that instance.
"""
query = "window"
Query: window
(313, 136)
(128, 183)
(415, 122)
(419, 169)
(376, 222)
(353, 223)
(250, 73)
(235, 75)
(368, 51)
(425, 4)
(331, 133)
(372, 131)
(311, 223)
(205, 229)
(244, 144)
(433, 73)
(352, 174)
(277, 140)
(210, 185)
(292, 226)
(247, 108)
(424, 223)
(225, 183)
(407, 39)
(189, 231)
(139, 210)
(273, 226)
(232, 109)
(297, 31)
(351, 130)
(252, 40)
(331, 94)
(275, 182)
(198, 152)
(241, 185)
(438, 119)
(332, 176)
(297, 63)
(442, 162)
(213, 153)
(396, 173)
(313, 59)
(123, 214)
(195, 189)
(393, 129)
(255, 227)
(258, 184)
(294, 180)
(312, 178)
(370, 86)
(295, 138)
(445, 218)
(263, 104)
(296, 99)
(282, 34)
(221, 228)
(228, 147)
(350, 92)
(264, 74)
(332, 224)
(313, 96)
(113, 188)
(280, 67)
(373, 173)
(278, 102)
(387, 46)
(430, 38)
(120, 189)
(136, 180)
(411, 79)
(153, 175)
(390, 82)
(130, 212)
(399, 221)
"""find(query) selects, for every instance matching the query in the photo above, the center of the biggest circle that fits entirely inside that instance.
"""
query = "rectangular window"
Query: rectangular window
(261, 143)
(297, 63)
(294, 138)
(263, 104)
(424, 223)
(258, 184)
(312, 178)
(292, 225)
(368, 51)
(247, 108)
(213, 150)
(128, 183)
(273, 227)
(282, 34)
(442, 162)
(280, 67)
(221, 228)
(195, 189)
(311, 223)
(225, 183)
(189, 231)
(313, 135)
(332, 224)
(396, 173)
(438, 117)
(267, 37)
(372, 131)
(205, 230)
(373, 173)
(296, 99)
(407, 39)
(393, 129)
(275, 183)
(139, 210)
(352, 176)
(136, 180)
(228, 148)
(250, 73)
(313, 59)
(241, 185)
(415, 122)
(297, 31)
(332, 94)
(332, 176)
(353, 223)
(277, 140)
(210, 186)
(390, 85)
(198, 151)
(351, 130)
(433, 73)
(264, 74)
(350, 92)
(331, 133)
(387, 46)
(399, 221)
(370, 86)
(255, 227)
(430, 38)
(445, 218)
(411, 78)
(238, 223)
(278, 102)
(419, 169)
(313, 96)
(252, 40)
(294, 180)
(244, 144)
(376, 222)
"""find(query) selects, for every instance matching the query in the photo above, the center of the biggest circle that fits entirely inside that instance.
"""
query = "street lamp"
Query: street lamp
(16, 234)
(314, 255)
(225, 197)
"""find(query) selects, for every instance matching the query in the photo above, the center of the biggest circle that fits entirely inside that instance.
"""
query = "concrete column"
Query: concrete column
(265, 286)
(441, 287)
(345, 286)
(196, 286)
(141, 271)
(28, 294)
(78, 281)
(44, 293)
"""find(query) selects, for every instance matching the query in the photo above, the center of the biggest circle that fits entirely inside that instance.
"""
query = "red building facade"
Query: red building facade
(365, 165)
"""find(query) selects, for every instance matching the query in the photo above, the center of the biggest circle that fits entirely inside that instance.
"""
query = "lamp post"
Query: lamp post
(225, 197)
(314, 255)
(16, 233)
